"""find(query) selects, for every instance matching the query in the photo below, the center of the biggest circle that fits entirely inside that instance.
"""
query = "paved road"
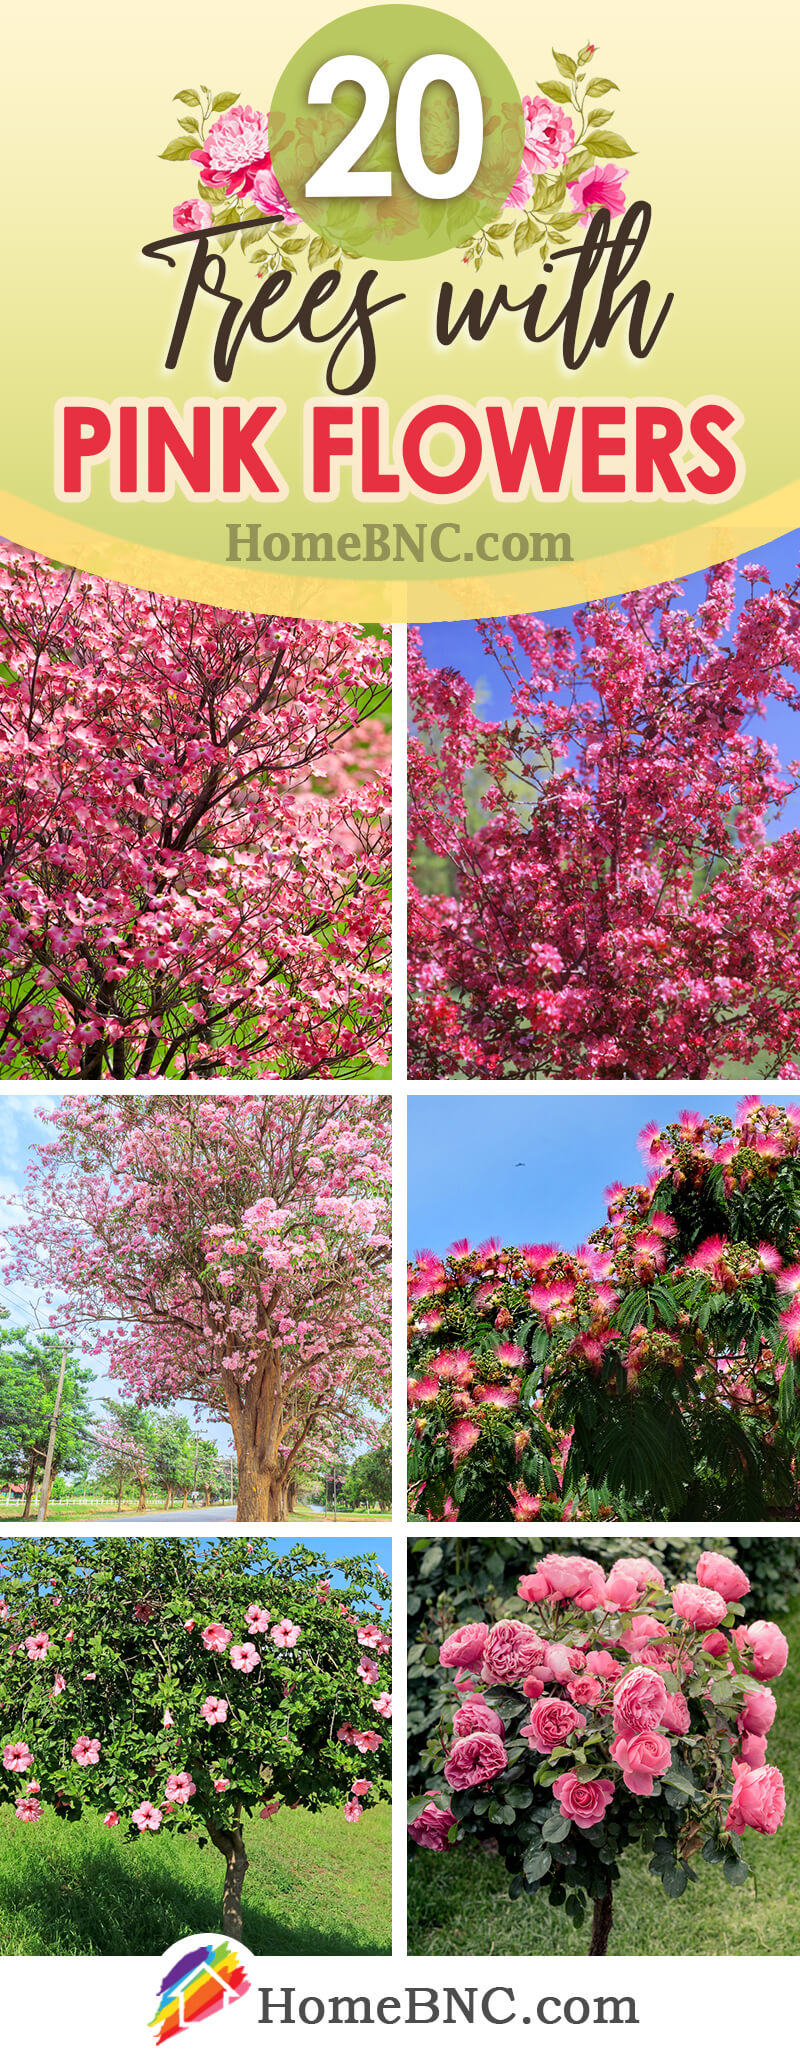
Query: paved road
(220, 1513)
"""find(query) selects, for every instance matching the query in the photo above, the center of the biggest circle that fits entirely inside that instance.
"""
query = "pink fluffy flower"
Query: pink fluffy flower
(353, 1811)
(552, 1722)
(461, 1437)
(86, 1751)
(257, 1618)
(236, 149)
(474, 1760)
(549, 134)
(585, 1802)
(715, 1570)
(464, 1647)
(431, 1827)
(215, 1637)
(17, 1758)
(640, 1700)
(642, 1756)
(192, 214)
(214, 1710)
(180, 1788)
(147, 1817)
(285, 1633)
(244, 1658)
(600, 186)
(703, 1608)
(758, 1801)
(28, 1809)
(475, 1715)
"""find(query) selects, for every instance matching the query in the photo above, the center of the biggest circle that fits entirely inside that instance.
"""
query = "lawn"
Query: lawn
(315, 1885)
(458, 1901)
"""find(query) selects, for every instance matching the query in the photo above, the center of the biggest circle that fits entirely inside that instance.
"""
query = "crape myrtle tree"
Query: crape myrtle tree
(232, 1252)
(603, 1711)
(653, 1372)
(193, 836)
(30, 1364)
(612, 905)
(180, 1686)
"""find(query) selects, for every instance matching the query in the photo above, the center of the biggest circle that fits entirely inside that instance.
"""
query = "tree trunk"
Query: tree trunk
(231, 1845)
(29, 1487)
(602, 1920)
(259, 1493)
(206, 1496)
(185, 1494)
(142, 1496)
(168, 1503)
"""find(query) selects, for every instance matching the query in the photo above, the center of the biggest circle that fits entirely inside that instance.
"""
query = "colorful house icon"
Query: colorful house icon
(204, 1979)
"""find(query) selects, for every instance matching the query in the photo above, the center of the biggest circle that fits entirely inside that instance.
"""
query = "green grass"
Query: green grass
(314, 1885)
(458, 1901)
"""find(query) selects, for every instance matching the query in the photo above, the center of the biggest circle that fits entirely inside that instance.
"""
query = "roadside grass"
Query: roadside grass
(315, 1885)
(458, 1901)
(79, 1512)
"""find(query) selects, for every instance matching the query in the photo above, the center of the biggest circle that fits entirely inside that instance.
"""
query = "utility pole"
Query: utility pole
(40, 1514)
(196, 1450)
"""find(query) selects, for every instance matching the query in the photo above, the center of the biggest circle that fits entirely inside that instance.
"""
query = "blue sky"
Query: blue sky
(458, 644)
(463, 1176)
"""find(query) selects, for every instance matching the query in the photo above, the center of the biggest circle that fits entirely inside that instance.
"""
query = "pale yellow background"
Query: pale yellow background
(707, 97)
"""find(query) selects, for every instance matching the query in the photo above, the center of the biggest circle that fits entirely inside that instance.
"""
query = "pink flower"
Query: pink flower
(244, 1658)
(215, 1637)
(368, 1672)
(522, 188)
(86, 1751)
(192, 214)
(235, 150)
(180, 1788)
(752, 1750)
(676, 1716)
(214, 1710)
(758, 1801)
(587, 1693)
(59, 1684)
(622, 1589)
(600, 186)
(461, 1437)
(574, 1579)
(715, 1570)
(474, 1760)
(759, 1711)
(552, 1722)
(168, 1720)
(640, 1700)
(716, 1643)
(270, 1809)
(146, 1818)
(367, 1741)
(353, 1811)
(475, 1715)
(256, 1617)
(585, 1802)
(642, 1755)
(189, 1624)
(110, 1819)
(361, 1787)
(323, 1591)
(511, 1651)
(431, 1827)
(766, 1646)
(36, 1648)
(28, 1809)
(285, 1633)
(464, 1647)
(533, 1587)
(270, 196)
(221, 1785)
(604, 1665)
(17, 1758)
(382, 1704)
(703, 1608)
(549, 134)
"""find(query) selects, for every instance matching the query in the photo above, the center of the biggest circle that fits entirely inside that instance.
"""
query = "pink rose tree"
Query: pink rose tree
(232, 1253)
(598, 1714)
(597, 888)
(125, 1622)
(651, 1373)
(194, 827)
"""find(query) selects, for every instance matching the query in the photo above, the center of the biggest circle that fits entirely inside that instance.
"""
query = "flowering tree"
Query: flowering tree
(231, 1251)
(601, 1712)
(612, 906)
(193, 836)
(652, 1372)
(180, 1687)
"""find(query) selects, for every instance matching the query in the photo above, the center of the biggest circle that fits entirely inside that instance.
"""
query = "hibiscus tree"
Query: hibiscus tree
(193, 836)
(233, 1252)
(593, 892)
(152, 1680)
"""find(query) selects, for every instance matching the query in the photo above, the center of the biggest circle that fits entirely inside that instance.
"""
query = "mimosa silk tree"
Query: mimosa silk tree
(233, 1253)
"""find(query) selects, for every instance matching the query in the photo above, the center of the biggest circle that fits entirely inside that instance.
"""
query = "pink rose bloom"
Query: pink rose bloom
(701, 1607)
(676, 1715)
(180, 1788)
(214, 1710)
(36, 1648)
(17, 1758)
(549, 134)
(716, 1643)
(464, 1647)
(28, 1809)
(270, 197)
(431, 1827)
(714, 1570)
(533, 1687)
(146, 1818)
(574, 1579)
(642, 1571)
(644, 1630)
(235, 150)
(511, 1651)
(759, 1711)
(221, 1785)
(767, 1647)
(215, 1637)
(533, 1587)
(270, 1809)
(641, 1755)
(559, 1662)
(244, 1658)
(600, 186)
(758, 1801)
(192, 214)
(353, 1811)
(586, 1693)
(474, 1760)
(604, 1665)
(361, 1787)
(585, 1802)
(477, 1716)
(621, 1589)
(86, 1751)
(752, 1750)
(110, 1819)
(550, 1723)
(640, 1700)
(258, 1618)
(285, 1633)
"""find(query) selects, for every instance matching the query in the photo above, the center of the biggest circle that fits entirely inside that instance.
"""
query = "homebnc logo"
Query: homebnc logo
(202, 1976)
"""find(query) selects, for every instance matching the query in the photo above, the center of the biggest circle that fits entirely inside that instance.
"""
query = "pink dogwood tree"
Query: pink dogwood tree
(594, 893)
(193, 836)
(232, 1252)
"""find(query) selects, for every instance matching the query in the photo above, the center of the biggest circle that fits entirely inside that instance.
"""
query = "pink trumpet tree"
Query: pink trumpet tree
(232, 1252)
(594, 893)
(193, 836)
